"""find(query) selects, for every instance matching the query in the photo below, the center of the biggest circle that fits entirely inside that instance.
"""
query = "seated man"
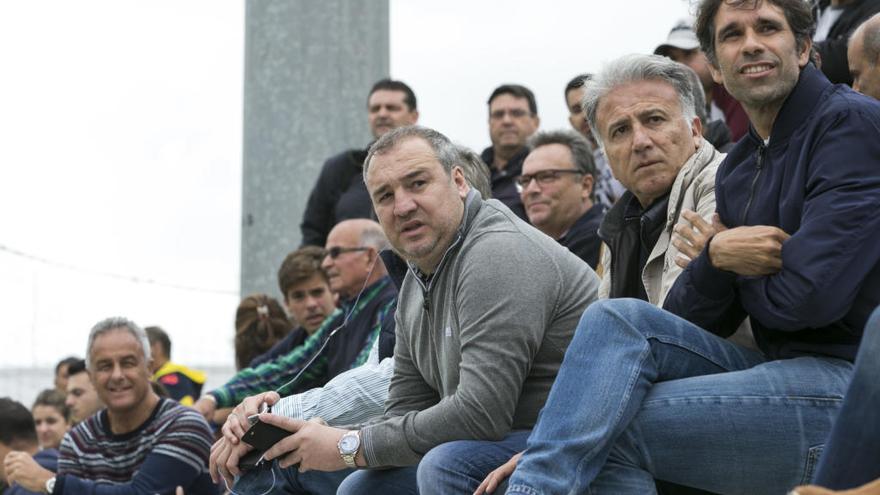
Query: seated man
(799, 193)
(21, 460)
(556, 188)
(82, 399)
(358, 276)
(139, 444)
(182, 384)
(353, 397)
(473, 363)
(643, 256)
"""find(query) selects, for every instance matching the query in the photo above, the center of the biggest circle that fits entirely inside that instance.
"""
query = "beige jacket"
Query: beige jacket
(694, 189)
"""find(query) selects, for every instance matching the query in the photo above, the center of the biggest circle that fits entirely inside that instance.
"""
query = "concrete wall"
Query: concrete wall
(308, 67)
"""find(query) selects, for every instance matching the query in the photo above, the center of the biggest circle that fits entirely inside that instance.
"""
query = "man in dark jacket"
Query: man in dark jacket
(556, 188)
(667, 396)
(340, 194)
(837, 19)
(513, 118)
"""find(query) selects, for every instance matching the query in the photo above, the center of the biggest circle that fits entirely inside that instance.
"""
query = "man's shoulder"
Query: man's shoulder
(352, 158)
(841, 101)
(178, 416)
(497, 235)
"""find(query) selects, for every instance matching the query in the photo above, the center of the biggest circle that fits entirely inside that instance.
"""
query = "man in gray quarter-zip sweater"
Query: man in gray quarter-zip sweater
(484, 317)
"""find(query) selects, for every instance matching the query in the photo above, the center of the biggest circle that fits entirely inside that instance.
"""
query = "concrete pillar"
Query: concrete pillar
(308, 67)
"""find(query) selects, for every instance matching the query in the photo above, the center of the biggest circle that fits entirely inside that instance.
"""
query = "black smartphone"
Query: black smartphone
(261, 436)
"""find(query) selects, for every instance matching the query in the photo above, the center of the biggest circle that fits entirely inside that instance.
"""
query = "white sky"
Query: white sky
(120, 144)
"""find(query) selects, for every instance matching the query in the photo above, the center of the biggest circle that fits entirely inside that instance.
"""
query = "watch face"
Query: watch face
(348, 444)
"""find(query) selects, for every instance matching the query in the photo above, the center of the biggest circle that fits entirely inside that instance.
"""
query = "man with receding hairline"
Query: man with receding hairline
(864, 58)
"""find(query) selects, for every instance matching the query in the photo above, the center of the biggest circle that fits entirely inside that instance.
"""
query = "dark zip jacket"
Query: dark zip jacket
(818, 179)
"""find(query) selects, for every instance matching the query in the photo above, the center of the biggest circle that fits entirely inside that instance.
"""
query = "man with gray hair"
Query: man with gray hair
(557, 190)
(473, 361)
(141, 443)
(357, 275)
(864, 58)
(650, 132)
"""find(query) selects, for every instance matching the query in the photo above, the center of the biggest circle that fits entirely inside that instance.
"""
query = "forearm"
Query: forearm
(351, 398)
(158, 474)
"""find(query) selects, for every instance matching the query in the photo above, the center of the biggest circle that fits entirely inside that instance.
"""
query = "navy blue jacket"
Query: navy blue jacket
(819, 181)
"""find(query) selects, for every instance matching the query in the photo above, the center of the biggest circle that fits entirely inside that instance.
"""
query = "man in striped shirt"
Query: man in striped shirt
(140, 444)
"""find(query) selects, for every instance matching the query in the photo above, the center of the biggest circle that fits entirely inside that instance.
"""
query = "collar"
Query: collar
(797, 108)
(596, 210)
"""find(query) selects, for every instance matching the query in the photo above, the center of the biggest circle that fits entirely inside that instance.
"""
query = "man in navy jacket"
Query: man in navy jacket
(646, 394)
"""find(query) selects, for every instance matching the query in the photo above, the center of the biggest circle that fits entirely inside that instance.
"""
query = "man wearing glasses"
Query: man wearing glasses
(513, 118)
(556, 188)
(366, 295)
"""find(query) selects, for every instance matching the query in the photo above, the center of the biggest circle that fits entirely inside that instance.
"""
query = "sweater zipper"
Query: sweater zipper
(758, 168)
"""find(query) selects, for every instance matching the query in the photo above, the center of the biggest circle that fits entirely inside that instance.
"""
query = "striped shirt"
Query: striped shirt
(171, 448)
(351, 398)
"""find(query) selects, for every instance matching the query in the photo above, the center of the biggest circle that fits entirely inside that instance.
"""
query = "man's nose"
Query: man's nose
(641, 138)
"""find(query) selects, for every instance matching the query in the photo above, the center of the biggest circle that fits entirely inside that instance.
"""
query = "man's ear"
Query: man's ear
(588, 183)
(804, 57)
(460, 182)
(716, 74)
(697, 131)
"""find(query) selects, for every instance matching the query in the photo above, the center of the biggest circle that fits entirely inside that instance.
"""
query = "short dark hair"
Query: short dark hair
(77, 366)
(577, 82)
(517, 91)
(16, 424)
(798, 14)
(392, 85)
(65, 362)
(156, 334)
(299, 266)
(53, 398)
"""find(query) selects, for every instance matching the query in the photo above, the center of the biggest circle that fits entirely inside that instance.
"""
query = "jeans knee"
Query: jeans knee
(627, 309)
(433, 464)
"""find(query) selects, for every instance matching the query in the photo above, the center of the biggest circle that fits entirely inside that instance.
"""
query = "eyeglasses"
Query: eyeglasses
(516, 113)
(336, 251)
(543, 177)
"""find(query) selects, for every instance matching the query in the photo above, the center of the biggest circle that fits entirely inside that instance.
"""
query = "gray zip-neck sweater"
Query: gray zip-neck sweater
(479, 345)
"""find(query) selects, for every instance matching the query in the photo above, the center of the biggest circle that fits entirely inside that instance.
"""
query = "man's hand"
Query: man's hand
(206, 406)
(490, 484)
(691, 236)
(223, 462)
(872, 488)
(313, 446)
(22, 469)
(237, 423)
(748, 251)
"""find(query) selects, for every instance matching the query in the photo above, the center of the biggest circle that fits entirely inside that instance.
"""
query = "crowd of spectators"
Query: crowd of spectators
(678, 295)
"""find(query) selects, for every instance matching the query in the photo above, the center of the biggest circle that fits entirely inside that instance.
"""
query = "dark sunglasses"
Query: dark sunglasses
(336, 251)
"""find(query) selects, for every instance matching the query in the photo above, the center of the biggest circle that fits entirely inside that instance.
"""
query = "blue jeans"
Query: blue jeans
(452, 467)
(260, 480)
(643, 394)
(852, 453)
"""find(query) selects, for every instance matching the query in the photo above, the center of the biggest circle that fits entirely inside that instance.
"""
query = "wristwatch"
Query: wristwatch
(348, 447)
(50, 485)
